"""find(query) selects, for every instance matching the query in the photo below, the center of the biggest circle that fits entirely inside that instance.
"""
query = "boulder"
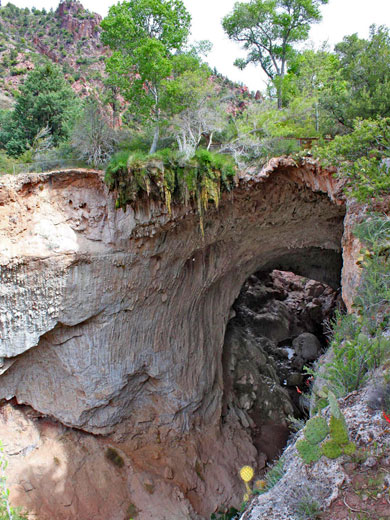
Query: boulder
(307, 346)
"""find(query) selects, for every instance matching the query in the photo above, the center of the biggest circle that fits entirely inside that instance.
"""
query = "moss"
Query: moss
(164, 176)
(113, 456)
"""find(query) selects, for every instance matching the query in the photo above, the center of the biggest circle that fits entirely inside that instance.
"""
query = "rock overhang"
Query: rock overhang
(127, 319)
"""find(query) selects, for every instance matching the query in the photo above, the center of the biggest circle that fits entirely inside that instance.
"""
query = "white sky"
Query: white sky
(340, 18)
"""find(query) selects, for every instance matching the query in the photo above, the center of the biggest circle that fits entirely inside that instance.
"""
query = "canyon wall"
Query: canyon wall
(113, 322)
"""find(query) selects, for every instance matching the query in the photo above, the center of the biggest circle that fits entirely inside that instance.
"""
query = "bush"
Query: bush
(362, 158)
(359, 344)
(113, 456)
(92, 138)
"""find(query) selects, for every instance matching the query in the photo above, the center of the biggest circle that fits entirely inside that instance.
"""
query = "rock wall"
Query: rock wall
(113, 322)
(278, 328)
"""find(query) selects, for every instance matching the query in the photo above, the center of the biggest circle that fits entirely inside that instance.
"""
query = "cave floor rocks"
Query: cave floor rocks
(279, 327)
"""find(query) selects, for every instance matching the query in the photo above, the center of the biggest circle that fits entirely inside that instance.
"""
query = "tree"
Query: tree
(202, 112)
(144, 35)
(269, 29)
(309, 74)
(361, 85)
(92, 137)
(45, 100)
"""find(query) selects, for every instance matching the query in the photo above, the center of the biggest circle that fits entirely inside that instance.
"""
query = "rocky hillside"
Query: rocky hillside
(68, 36)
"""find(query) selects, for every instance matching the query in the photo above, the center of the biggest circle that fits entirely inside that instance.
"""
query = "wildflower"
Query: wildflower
(386, 417)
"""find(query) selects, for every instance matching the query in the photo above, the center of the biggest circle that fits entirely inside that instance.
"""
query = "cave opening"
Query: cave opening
(279, 324)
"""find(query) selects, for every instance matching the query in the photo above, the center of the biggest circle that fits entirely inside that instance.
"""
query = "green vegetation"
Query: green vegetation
(45, 100)
(268, 29)
(274, 474)
(359, 344)
(164, 176)
(6, 511)
(144, 35)
(363, 157)
(335, 435)
(113, 456)
(307, 508)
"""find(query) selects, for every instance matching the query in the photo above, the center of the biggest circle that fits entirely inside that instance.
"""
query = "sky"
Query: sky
(340, 18)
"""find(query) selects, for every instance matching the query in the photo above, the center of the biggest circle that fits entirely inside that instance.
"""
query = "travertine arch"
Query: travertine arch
(109, 315)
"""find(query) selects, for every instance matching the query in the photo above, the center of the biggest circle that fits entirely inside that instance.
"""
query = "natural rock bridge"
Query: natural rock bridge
(113, 322)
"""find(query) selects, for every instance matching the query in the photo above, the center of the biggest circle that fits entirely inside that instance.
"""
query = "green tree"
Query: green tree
(309, 74)
(45, 100)
(361, 86)
(269, 29)
(144, 35)
(362, 157)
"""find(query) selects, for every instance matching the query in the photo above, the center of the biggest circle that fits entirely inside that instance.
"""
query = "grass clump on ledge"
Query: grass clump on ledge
(113, 456)
(167, 177)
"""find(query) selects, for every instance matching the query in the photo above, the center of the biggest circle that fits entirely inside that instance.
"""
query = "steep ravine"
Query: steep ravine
(279, 327)
(112, 332)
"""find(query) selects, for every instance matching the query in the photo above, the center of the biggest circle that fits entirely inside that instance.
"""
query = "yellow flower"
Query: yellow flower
(247, 473)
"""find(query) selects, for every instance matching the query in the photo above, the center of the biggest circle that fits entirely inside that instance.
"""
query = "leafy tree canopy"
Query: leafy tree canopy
(361, 86)
(268, 29)
(129, 23)
(45, 100)
(144, 35)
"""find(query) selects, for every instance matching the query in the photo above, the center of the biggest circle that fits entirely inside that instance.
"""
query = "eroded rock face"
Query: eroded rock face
(127, 311)
(268, 342)
(77, 21)
(113, 322)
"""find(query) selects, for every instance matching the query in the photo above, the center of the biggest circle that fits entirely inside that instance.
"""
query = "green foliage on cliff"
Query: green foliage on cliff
(165, 176)
(359, 343)
(363, 158)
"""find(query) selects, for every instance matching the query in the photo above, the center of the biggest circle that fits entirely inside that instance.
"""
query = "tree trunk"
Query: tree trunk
(280, 84)
(156, 137)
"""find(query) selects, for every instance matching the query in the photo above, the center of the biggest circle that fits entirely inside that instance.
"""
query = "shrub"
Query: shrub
(113, 456)
(362, 158)
(307, 508)
(274, 474)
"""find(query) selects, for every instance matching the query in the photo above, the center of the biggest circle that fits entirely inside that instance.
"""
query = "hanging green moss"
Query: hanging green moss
(164, 176)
